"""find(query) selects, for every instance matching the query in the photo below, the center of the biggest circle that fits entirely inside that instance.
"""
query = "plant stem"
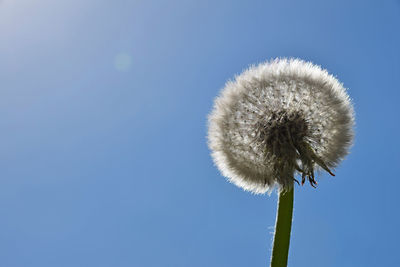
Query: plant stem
(283, 226)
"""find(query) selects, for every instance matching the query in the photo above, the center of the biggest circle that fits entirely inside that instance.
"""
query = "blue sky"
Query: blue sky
(103, 155)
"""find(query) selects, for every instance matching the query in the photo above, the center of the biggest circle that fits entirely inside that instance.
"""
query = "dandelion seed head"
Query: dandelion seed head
(279, 119)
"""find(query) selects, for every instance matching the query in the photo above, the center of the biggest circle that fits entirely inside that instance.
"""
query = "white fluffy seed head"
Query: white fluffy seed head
(277, 119)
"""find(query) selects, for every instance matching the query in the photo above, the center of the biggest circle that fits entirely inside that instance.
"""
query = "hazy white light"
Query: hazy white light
(122, 61)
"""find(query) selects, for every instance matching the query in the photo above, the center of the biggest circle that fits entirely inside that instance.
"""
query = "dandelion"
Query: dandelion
(279, 119)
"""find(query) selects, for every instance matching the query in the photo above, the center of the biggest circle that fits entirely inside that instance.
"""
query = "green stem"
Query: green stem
(283, 226)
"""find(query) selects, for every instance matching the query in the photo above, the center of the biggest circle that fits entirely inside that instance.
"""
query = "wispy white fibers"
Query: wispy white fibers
(277, 119)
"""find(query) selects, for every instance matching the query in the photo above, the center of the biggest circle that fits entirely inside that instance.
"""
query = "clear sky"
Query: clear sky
(103, 155)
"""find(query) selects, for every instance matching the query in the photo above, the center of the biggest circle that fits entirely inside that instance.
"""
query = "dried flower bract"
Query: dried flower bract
(277, 119)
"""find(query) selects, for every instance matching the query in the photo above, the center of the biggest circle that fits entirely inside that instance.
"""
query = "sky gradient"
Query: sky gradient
(103, 154)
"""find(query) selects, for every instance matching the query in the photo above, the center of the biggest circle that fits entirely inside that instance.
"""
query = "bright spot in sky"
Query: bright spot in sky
(122, 61)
